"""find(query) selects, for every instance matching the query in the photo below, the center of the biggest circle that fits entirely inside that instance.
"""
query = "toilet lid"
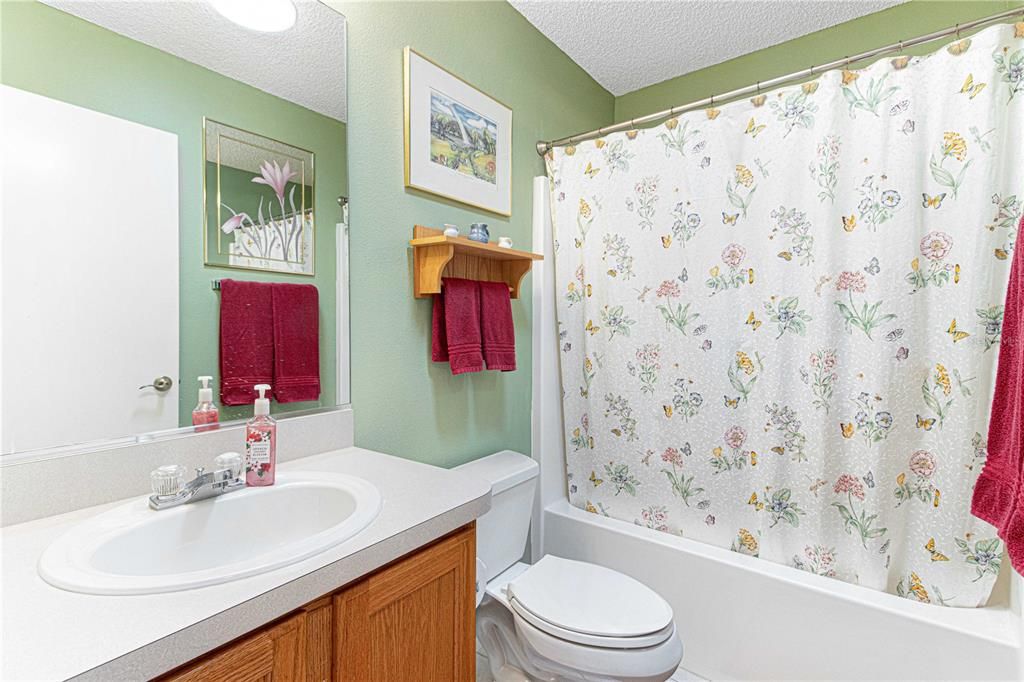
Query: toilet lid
(584, 598)
(526, 619)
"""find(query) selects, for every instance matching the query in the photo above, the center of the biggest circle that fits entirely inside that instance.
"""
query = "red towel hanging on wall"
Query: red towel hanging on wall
(471, 325)
(499, 334)
(461, 317)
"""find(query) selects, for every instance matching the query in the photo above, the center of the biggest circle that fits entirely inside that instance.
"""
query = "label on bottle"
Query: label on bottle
(258, 451)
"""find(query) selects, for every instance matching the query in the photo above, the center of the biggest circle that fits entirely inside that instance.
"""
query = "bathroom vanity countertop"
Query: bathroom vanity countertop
(52, 634)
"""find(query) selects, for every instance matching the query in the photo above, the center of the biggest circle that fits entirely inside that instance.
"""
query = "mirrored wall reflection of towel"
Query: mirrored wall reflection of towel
(246, 340)
(269, 333)
(296, 342)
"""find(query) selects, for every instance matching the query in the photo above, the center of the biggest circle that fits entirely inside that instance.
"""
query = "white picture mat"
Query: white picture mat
(427, 175)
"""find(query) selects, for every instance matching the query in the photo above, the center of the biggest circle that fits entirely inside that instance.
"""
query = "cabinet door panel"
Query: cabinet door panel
(277, 654)
(413, 620)
(319, 640)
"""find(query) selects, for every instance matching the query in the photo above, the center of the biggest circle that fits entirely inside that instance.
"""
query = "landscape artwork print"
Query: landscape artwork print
(461, 139)
(458, 139)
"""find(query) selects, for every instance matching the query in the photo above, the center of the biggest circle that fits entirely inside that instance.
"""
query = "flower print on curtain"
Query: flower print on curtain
(805, 380)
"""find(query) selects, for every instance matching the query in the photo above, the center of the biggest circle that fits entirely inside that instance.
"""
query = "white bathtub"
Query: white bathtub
(745, 618)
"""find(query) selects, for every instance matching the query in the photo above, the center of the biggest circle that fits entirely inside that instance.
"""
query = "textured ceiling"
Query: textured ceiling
(305, 64)
(627, 45)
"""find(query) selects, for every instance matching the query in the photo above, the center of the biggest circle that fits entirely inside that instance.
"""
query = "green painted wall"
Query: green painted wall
(57, 55)
(405, 404)
(888, 26)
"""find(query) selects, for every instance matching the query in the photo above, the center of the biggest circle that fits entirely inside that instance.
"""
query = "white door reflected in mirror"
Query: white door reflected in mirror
(86, 356)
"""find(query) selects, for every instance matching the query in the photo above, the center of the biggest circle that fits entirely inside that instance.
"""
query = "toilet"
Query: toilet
(559, 619)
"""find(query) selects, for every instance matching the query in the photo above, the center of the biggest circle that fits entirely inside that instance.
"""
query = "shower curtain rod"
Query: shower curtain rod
(543, 147)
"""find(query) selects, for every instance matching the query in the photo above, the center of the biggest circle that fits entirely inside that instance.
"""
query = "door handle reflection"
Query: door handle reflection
(161, 384)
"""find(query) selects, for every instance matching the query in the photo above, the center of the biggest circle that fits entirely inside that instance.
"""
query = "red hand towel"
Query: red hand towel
(438, 339)
(296, 343)
(462, 324)
(499, 334)
(999, 492)
(246, 340)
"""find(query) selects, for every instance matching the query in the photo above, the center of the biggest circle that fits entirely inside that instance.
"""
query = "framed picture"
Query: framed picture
(458, 140)
(258, 195)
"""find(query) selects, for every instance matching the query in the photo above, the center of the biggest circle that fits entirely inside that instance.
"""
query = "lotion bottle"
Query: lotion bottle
(206, 416)
(261, 442)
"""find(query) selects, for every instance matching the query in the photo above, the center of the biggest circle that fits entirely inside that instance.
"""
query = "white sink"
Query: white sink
(132, 549)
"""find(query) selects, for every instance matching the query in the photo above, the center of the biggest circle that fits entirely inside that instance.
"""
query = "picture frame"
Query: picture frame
(258, 197)
(458, 139)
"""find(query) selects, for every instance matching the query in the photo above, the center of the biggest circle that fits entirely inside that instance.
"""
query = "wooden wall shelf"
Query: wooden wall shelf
(436, 256)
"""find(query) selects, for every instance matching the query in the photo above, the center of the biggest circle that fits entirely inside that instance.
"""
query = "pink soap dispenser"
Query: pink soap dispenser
(206, 416)
(261, 442)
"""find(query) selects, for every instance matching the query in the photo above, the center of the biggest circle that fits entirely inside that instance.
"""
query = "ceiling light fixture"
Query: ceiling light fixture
(268, 16)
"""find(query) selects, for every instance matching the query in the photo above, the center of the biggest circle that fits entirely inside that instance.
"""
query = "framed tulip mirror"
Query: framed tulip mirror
(259, 196)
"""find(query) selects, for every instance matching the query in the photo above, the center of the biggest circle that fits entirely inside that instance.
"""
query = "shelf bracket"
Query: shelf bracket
(429, 263)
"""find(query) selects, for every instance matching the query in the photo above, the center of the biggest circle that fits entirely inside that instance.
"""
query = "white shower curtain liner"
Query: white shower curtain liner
(779, 320)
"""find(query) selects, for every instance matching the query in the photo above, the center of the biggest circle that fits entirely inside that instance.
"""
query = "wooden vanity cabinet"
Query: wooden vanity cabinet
(413, 619)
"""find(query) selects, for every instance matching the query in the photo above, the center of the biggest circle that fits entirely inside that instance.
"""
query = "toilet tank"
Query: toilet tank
(501, 533)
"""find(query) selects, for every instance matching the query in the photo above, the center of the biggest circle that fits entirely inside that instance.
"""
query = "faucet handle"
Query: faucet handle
(231, 461)
(168, 479)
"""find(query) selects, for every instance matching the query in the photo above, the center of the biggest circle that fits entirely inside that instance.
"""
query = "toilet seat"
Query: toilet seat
(649, 663)
(635, 642)
(589, 605)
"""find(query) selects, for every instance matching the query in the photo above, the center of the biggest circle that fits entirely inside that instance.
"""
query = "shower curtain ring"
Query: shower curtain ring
(958, 31)
(758, 88)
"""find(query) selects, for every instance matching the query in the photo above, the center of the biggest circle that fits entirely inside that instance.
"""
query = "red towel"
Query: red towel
(999, 492)
(462, 324)
(246, 340)
(296, 342)
(438, 339)
(499, 334)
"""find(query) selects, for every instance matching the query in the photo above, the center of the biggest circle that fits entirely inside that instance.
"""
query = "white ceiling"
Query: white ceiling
(627, 45)
(304, 65)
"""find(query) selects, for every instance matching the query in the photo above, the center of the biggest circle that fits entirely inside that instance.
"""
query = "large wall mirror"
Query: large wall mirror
(160, 160)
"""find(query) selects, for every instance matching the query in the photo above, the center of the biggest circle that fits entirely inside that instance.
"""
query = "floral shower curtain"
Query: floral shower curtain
(780, 318)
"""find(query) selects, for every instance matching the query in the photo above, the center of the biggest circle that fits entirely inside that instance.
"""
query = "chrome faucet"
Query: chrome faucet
(170, 488)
